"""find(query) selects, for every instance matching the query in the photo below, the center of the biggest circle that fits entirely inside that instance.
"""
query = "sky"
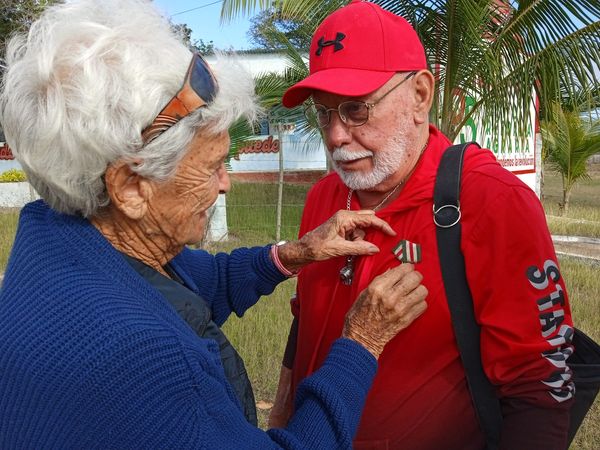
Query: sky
(205, 22)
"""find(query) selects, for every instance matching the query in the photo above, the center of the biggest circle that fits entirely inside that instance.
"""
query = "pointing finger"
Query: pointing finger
(368, 219)
(359, 247)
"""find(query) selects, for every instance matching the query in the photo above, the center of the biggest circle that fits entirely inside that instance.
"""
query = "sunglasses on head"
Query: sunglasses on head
(198, 90)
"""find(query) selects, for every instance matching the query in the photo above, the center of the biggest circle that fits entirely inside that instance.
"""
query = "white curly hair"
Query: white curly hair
(86, 80)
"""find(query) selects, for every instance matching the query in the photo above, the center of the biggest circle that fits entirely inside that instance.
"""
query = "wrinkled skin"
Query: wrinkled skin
(341, 235)
(152, 221)
(387, 306)
(178, 208)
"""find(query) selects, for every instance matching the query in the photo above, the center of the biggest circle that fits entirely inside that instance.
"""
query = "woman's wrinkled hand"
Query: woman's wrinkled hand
(388, 305)
(341, 235)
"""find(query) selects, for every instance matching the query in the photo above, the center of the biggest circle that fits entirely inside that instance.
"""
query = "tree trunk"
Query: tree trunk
(542, 197)
(565, 203)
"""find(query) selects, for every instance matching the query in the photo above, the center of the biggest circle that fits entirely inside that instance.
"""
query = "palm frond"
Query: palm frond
(498, 53)
(240, 133)
(499, 58)
(309, 10)
(232, 9)
(569, 142)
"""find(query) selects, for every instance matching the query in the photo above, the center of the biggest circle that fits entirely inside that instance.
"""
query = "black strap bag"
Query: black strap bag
(585, 362)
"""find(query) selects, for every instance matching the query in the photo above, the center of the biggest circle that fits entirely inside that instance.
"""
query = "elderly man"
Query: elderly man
(370, 93)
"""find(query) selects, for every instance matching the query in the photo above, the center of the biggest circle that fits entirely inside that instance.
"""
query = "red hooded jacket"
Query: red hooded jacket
(419, 398)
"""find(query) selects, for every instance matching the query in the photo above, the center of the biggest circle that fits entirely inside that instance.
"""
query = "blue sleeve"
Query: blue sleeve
(185, 403)
(329, 403)
(229, 282)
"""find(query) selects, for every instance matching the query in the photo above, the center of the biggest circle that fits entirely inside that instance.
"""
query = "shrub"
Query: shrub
(12, 175)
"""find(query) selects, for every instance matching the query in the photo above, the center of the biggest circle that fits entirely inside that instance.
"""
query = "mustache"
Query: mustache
(343, 154)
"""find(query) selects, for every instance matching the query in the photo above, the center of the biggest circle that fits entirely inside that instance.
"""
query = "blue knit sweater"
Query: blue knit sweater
(92, 356)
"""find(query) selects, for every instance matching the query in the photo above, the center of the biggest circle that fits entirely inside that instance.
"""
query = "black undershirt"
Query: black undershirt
(197, 313)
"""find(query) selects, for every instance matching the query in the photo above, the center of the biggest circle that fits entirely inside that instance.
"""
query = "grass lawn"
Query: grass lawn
(261, 335)
(584, 210)
(583, 285)
(252, 211)
(8, 227)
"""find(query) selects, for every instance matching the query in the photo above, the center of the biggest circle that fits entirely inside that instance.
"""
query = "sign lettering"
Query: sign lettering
(268, 145)
(5, 153)
(516, 154)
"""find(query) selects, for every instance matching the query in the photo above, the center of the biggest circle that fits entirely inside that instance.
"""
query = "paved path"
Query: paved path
(583, 248)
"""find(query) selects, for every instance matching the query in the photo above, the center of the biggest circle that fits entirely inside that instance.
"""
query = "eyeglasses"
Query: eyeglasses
(198, 90)
(353, 113)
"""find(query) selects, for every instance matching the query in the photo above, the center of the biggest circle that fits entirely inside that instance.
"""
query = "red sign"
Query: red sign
(5, 153)
(268, 145)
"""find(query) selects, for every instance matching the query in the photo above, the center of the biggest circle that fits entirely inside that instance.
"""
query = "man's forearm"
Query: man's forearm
(283, 404)
(290, 348)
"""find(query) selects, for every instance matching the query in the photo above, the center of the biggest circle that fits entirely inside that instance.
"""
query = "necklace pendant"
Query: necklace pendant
(347, 272)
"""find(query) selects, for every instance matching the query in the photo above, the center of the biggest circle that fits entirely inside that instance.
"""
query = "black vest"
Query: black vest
(195, 311)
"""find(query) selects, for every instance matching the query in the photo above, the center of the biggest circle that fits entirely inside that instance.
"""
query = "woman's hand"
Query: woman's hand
(388, 305)
(341, 235)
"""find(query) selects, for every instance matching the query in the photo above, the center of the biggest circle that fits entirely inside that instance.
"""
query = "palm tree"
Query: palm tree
(569, 142)
(500, 53)
(270, 88)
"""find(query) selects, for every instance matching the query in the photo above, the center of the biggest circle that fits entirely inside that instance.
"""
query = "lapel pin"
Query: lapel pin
(407, 252)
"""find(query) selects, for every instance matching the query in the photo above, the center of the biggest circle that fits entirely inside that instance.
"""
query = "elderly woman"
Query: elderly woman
(109, 324)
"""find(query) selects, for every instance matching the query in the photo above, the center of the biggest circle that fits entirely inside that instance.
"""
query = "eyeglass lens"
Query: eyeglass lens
(202, 81)
(352, 113)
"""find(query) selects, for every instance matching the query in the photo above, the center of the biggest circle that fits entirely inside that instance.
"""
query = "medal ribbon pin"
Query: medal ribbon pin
(407, 252)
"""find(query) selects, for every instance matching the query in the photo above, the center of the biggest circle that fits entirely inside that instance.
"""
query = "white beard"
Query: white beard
(386, 162)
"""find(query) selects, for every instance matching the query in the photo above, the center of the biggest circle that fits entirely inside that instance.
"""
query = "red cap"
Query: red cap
(356, 50)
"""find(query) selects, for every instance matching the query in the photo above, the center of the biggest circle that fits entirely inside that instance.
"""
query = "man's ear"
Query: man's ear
(424, 85)
(128, 191)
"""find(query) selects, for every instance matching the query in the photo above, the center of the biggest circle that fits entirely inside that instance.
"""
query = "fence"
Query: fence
(270, 179)
(249, 211)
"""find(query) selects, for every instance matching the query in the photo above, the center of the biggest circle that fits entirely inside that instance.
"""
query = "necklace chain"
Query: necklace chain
(380, 204)
(347, 272)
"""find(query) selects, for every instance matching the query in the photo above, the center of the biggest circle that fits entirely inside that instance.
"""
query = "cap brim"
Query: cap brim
(338, 81)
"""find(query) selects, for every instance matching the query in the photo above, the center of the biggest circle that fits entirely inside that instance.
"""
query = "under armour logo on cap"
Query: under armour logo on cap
(375, 45)
(337, 43)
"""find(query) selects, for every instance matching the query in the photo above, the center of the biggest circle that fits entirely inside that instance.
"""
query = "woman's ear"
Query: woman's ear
(424, 85)
(128, 191)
